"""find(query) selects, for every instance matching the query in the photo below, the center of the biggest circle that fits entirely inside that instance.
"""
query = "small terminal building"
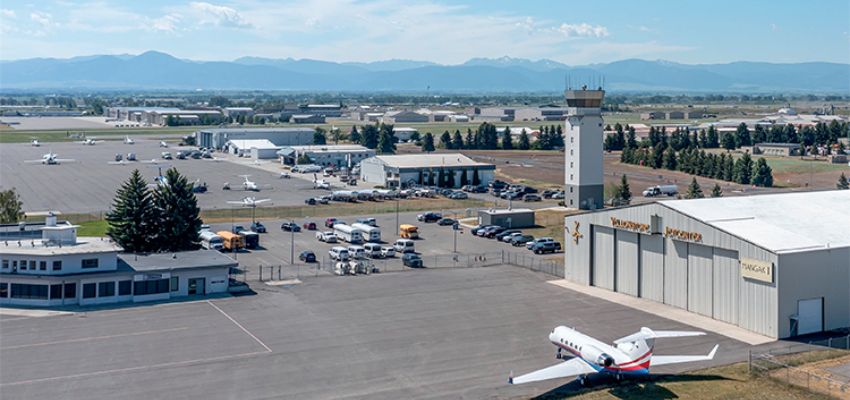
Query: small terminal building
(449, 170)
(48, 265)
(507, 218)
(774, 264)
(341, 155)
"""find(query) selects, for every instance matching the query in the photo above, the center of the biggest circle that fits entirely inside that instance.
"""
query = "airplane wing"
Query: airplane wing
(33, 161)
(663, 360)
(646, 333)
(571, 367)
(261, 201)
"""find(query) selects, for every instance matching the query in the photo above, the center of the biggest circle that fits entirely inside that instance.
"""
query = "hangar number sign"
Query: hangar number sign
(757, 270)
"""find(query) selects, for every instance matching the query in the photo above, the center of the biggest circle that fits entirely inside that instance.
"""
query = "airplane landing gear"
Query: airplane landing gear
(582, 380)
(558, 354)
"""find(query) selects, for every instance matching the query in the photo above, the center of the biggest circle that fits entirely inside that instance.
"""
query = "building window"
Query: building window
(175, 284)
(14, 264)
(571, 176)
(5, 264)
(27, 291)
(55, 292)
(571, 189)
(89, 290)
(70, 291)
(106, 289)
(157, 286)
(124, 288)
(42, 265)
(4, 290)
(90, 263)
(571, 164)
(23, 265)
(57, 265)
(32, 265)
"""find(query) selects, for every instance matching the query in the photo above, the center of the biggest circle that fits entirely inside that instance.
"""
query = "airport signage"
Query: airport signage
(629, 225)
(682, 234)
(757, 270)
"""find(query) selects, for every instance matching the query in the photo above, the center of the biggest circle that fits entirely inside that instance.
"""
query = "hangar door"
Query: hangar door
(700, 260)
(726, 285)
(676, 274)
(627, 262)
(809, 316)
(652, 267)
(603, 257)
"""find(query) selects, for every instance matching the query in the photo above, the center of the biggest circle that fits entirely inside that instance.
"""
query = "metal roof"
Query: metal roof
(245, 144)
(430, 161)
(783, 222)
(179, 260)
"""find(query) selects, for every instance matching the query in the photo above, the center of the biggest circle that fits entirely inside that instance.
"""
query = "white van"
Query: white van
(211, 241)
(338, 253)
(373, 250)
(357, 252)
(348, 233)
(404, 246)
(370, 233)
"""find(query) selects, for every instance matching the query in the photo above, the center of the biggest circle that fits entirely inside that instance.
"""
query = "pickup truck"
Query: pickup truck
(658, 190)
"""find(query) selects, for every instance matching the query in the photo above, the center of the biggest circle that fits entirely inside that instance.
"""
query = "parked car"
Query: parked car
(290, 227)
(476, 228)
(327, 237)
(492, 231)
(323, 200)
(411, 260)
(404, 246)
(547, 194)
(531, 244)
(387, 251)
(238, 228)
(446, 221)
(357, 252)
(329, 223)
(546, 247)
(367, 221)
(258, 227)
(458, 196)
(483, 232)
(307, 256)
(511, 195)
(338, 253)
(309, 225)
(429, 217)
(558, 195)
(310, 202)
(507, 238)
(521, 240)
(497, 184)
(531, 197)
(501, 235)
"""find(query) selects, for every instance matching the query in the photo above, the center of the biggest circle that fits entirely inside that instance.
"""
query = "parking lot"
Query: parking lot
(436, 244)
(433, 333)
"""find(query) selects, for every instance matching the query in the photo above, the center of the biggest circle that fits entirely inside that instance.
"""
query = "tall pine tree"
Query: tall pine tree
(428, 143)
(446, 140)
(694, 191)
(524, 141)
(386, 139)
(457, 140)
(131, 221)
(762, 174)
(507, 140)
(354, 136)
(176, 214)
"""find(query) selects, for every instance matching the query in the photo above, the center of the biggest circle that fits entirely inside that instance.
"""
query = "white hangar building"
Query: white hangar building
(218, 137)
(775, 264)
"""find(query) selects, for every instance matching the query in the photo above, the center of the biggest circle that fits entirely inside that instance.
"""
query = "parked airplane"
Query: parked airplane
(249, 201)
(629, 356)
(320, 183)
(162, 143)
(50, 158)
(89, 142)
(35, 142)
(248, 185)
(129, 140)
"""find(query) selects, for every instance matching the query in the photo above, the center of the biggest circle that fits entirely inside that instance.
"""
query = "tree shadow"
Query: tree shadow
(645, 387)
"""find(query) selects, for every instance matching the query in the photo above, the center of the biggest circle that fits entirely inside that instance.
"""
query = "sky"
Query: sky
(446, 32)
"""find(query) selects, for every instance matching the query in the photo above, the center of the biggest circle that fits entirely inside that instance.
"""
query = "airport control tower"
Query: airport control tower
(583, 149)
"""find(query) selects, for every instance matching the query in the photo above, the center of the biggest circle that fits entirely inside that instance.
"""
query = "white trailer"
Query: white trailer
(348, 233)
(370, 233)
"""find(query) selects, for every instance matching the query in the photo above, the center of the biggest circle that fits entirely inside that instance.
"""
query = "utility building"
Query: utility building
(583, 149)
(775, 264)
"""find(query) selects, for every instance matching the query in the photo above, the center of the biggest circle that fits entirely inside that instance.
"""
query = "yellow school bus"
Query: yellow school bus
(409, 231)
(231, 240)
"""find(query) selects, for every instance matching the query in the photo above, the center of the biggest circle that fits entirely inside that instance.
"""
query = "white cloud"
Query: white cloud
(40, 18)
(166, 23)
(7, 13)
(583, 30)
(219, 15)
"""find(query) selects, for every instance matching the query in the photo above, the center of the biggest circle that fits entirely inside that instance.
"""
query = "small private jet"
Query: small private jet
(247, 185)
(163, 144)
(89, 142)
(35, 143)
(129, 140)
(629, 356)
(320, 183)
(249, 201)
(50, 158)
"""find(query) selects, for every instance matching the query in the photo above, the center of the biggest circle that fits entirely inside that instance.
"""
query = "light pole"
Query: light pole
(455, 228)
(292, 242)
(397, 227)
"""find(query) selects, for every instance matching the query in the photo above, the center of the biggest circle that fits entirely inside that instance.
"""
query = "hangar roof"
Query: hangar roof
(430, 161)
(246, 144)
(783, 222)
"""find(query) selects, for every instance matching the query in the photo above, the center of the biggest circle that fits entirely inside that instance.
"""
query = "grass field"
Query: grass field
(726, 382)
(92, 228)
(65, 135)
(794, 165)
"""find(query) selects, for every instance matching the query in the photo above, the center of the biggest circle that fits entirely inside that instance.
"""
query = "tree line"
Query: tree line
(379, 137)
(165, 219)
(487, 137)
(682, 152)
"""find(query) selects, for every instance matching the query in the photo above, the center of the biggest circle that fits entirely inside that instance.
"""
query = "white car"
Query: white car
(357, 252)
(387, 252)
(507, 238)
(327, 237)
(338, 253)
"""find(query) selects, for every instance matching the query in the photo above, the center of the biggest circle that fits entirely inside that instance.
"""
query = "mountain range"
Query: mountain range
(156, 70)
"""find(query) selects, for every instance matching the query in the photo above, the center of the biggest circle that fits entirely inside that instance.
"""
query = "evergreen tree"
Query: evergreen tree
(476, 180)
(470, 140)
(507, 140)
(762, 174)
(631, 138)
(728, 141)
(441, 178)
(842, 182)
(621, 138)
(703, 139)
(354, 136)
(524, 141)
(719, 167)
(694, 191)
(130, 221)
(369, 136)
(558, 138)
(744, 169)
(386, 140)
(428, 143)
(10, 206)
(759, 135)
(176, 209)
(624, 192)
(414, 136)
(457, 140)
(464, 179)
(729, 169)
(791, 134)
(716, 191)
(669, 159)
(319, 136)
(446, 140)
(712, 140)
(742, 136)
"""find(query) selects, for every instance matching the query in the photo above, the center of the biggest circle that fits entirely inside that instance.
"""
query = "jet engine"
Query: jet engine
(597, 356)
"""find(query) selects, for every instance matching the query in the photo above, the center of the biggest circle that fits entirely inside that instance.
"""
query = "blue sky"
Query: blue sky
(448, 32)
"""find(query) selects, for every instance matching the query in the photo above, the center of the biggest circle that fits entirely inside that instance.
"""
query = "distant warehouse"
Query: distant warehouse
(217, 138)
(444, 170)
(776, 264)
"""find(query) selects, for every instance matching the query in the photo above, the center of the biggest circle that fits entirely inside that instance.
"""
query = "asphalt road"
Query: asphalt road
(438, 333)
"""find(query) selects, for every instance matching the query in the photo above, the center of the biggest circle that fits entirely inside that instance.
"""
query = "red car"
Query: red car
(329, 223)
(310, 226)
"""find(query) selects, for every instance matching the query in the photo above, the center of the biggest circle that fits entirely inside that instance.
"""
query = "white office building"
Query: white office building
(448, 170)
(342, 155)
(217, 138)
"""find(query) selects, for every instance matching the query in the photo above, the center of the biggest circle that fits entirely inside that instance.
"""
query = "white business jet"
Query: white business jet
(249, 201)
(162, 143)
(320, 183)
(129, 140)
(34, 142)
(629, 356)
(89, 142)
(50, 158)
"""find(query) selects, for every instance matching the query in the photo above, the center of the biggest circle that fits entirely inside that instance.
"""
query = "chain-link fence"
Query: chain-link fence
(775, 364)
(535, 263)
